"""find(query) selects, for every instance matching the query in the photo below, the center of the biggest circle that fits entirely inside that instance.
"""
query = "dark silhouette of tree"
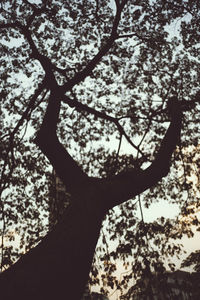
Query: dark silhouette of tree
(193, 259)
(76, 75)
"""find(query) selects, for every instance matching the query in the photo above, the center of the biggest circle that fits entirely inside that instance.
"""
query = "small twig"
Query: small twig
(2, 236)
(97, 9)
(31, 5)
(120, 142)
(140, 205)
(144, 135)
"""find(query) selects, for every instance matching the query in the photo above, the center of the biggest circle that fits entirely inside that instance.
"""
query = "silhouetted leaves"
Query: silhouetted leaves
(154, 55)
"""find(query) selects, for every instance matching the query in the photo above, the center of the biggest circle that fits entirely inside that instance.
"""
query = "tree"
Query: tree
(78, 74)
(193, 258)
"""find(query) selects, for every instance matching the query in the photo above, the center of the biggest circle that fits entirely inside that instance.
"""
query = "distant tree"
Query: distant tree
(77, 79)
(192, 260)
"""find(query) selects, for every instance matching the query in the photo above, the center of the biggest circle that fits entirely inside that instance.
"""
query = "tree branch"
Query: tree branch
(9, 25)
(99, 114)
(12, 134)
(80, 76)
(66, 168)
(127, 185)
(34, 8)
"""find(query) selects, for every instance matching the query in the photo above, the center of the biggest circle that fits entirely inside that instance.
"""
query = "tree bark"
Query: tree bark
(58, 267)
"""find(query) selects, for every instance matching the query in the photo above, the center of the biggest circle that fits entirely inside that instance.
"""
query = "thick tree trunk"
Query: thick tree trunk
(58, 267)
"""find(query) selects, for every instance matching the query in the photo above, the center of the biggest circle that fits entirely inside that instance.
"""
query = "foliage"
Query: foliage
(193, 259)
(122, 60)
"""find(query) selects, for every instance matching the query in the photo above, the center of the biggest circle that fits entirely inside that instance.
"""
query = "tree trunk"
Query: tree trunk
(58, 267)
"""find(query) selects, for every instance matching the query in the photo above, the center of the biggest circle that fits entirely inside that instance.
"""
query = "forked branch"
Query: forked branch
(127, 185)
(65, 166)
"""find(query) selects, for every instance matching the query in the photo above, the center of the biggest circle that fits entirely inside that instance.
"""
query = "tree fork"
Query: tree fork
(60, 264)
